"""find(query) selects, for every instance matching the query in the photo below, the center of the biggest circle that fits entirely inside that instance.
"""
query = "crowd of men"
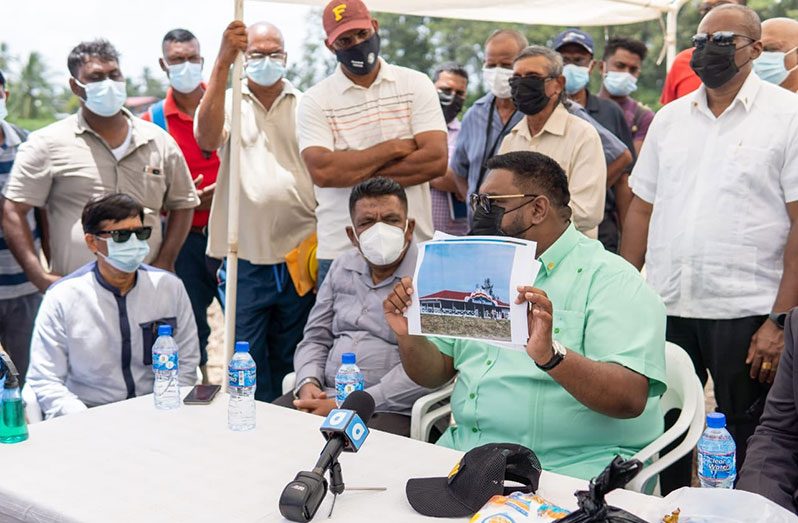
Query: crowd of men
(131, 216)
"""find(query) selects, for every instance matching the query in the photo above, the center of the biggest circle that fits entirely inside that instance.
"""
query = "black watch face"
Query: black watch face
(781, 319)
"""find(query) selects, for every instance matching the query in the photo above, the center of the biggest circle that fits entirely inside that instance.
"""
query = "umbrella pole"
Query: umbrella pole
(231, 284)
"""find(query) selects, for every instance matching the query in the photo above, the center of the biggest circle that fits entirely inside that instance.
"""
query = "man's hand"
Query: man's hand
(321, 405)
(765, 351)
(405, 146)
(540, 312)
(206, 197)
(396, 304)
(46, 279)
(234, 40)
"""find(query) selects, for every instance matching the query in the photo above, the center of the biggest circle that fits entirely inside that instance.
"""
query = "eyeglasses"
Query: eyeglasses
(278, 56)
(123, 235)
(482, 201)
(720, 38)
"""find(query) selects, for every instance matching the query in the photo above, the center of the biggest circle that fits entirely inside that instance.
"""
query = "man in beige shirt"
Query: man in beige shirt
(276, 207)
(99, 150)
(538, 88)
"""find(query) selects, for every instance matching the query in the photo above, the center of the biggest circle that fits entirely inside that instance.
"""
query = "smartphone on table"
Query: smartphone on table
(201, 394)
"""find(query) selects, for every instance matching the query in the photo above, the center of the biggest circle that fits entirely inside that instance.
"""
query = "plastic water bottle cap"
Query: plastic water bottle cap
(348, 358)
(242, 346)
(164, 330)
(716, 420)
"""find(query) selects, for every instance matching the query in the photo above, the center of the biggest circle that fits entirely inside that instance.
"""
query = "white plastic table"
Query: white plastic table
(130, 462)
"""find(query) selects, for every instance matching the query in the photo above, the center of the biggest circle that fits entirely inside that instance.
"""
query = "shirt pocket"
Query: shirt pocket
(747, 168)
(569, 328)
(149, 333)
(145, 183)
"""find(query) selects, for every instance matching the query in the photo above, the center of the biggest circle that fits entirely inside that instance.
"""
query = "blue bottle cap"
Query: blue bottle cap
(164, 330)
(242, 346)
(716, 420)
(348, 358)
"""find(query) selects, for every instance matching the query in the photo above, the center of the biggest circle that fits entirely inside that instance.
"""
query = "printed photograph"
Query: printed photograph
(464, 290)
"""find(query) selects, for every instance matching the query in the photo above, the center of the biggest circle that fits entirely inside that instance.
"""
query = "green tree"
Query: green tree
(151, 85)
(33, 92)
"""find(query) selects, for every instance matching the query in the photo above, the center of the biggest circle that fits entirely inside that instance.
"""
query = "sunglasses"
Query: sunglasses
(482, 201)
(123, 235)
(720, 38)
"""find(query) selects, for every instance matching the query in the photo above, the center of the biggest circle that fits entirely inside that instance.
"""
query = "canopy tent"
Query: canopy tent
(532, 12)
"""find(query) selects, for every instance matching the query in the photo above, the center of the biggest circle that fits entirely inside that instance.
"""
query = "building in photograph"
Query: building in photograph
(481, 303)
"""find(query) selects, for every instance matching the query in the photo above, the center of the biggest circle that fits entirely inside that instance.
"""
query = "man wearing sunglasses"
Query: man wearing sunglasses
(778, 63)
(596, 351)
(715, 218)
(92, 341)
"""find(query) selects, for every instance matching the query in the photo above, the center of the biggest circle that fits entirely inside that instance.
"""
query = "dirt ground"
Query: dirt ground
(466, 326)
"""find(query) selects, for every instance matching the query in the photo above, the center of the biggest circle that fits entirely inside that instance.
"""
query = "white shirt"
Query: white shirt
(339, 115)
(719, 187)
(92, 346)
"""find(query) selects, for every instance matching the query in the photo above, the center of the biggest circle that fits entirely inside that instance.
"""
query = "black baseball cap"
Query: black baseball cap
(478, 476)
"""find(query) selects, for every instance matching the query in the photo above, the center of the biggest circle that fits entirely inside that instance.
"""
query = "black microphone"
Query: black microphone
(345, 431)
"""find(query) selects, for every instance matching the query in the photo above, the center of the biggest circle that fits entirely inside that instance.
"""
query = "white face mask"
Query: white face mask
(497, 79)
(185, 77)
(382, 244)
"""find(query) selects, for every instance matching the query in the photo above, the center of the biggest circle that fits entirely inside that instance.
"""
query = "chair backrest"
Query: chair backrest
(680, 376)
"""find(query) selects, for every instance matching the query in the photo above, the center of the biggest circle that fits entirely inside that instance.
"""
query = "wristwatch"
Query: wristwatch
(559, 355)
(309, 379)
(779, 318)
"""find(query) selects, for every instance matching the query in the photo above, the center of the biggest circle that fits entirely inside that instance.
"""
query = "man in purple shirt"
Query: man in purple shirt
(449, 213)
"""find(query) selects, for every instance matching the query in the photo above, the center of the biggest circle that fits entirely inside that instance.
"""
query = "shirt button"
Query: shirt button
(550, 265)
(472, 395)
(556, 330)
(488, 362)
(579, 269)
(474, 429)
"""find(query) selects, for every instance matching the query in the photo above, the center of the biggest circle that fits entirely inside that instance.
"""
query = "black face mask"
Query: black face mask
(714, 64)
(361, 59)
(451, 104)
(529, 94)
(490, 223)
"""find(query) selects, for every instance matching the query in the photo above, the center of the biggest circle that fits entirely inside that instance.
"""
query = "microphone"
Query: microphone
(345, 431)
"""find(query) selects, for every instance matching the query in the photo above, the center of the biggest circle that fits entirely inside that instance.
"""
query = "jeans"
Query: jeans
(16, 329)
(198, 273)
(271, 316)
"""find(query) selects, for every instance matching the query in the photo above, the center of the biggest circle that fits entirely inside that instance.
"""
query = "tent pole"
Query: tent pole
(670, 35)
(231, 284)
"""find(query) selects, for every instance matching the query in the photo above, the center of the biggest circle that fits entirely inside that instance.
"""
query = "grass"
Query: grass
(469, 327)
(31, 124)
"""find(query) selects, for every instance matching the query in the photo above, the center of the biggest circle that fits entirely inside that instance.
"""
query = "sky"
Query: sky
(54, 27)
(459, 267)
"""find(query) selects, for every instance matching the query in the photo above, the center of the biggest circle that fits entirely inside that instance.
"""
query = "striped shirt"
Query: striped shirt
(339, 115)
(13, 282)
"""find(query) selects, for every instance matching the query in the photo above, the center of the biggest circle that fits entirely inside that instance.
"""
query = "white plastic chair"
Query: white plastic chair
(425, 413)
(32, 410)
(686, 393)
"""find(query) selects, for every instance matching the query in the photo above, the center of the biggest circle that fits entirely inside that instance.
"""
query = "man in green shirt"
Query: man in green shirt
(594, 324)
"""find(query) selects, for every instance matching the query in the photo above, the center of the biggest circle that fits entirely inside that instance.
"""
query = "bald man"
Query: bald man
(714, 218)
(276, 207)
(778, 64)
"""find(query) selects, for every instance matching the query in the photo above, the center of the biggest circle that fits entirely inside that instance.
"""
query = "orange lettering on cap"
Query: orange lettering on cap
(338, 11)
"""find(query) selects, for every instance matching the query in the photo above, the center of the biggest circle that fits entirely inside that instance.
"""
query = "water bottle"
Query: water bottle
(164, 364)
(241, 386)
(717, 466)
(348, 379)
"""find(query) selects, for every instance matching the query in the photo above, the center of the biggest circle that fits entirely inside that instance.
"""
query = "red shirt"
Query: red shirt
(181, 127)
(681, 79)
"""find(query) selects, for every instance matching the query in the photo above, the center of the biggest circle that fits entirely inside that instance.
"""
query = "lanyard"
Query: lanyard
(487, 153)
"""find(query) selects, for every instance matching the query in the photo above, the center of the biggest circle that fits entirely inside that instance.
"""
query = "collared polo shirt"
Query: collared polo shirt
(276, 201)
(603, 310)
(181, 126)
(339, 115)
(64, 165)
(92, 346)
(719, 188)
(13, 281)
(575, 145)
(348, 317)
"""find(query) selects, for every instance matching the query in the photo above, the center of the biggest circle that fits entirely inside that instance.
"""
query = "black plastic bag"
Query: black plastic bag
(593, 507)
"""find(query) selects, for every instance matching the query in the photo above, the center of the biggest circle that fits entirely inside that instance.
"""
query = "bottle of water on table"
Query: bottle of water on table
(164, 364)
(241, 386)
(717, 454)
(348, 379)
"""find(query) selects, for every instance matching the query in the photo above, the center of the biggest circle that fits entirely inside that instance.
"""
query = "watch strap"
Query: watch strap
(305, 381)
(559, 355)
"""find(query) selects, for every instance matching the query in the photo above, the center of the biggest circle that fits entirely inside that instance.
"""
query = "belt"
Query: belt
(199, 230)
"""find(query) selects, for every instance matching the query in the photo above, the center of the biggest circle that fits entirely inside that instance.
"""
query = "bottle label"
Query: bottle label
(164, 362)
(345, 388)
(717, 466)
(241, 377)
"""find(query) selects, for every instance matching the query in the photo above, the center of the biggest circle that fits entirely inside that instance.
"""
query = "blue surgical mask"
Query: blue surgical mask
(127, 256)
(619, 83)
(104, 98)
(3, 109)
(185, 77)
(770, 67)
(576, 78)
(265, 71)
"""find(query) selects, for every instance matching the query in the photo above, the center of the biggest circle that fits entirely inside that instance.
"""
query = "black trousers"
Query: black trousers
(718, 348)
